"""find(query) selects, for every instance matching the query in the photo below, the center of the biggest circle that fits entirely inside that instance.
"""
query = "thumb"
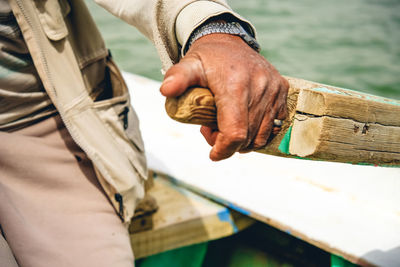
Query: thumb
(183, 75)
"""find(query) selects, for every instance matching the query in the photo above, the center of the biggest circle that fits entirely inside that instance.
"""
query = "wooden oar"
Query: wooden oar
(324, 123)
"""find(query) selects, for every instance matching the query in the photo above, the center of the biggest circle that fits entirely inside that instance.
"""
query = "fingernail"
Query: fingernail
(168, 80)
(164, 83)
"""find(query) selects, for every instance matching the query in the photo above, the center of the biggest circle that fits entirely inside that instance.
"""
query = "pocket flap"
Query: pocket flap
(51, 15)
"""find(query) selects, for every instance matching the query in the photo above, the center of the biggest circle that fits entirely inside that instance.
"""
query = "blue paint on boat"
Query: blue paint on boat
(239, 209)
(225, 216)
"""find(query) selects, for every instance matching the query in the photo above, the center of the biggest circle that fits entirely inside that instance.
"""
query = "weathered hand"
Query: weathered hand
(249, 92)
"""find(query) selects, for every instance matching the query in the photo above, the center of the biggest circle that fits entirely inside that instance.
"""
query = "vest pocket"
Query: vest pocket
(121, 119)
(51, 14)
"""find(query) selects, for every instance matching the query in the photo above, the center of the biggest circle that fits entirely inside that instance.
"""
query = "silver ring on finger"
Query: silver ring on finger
(277, 123)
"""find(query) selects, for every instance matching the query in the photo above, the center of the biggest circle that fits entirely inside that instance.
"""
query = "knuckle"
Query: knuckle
(261, 78)
(285, 84)
(169, 72)
(274, 87)
(237, 137)
(283, 113)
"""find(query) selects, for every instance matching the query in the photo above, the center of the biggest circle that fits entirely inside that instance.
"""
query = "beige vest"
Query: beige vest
(70, 57)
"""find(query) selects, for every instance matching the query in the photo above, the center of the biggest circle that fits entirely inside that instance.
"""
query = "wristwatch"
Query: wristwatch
(233, 28)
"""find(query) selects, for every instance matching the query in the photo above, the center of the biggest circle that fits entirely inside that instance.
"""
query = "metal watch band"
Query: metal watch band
(233, 28)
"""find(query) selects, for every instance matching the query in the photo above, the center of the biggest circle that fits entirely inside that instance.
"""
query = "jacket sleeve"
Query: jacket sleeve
(169, 23)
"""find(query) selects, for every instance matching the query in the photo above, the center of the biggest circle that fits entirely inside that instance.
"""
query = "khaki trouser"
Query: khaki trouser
(53, 212)
(6, 257)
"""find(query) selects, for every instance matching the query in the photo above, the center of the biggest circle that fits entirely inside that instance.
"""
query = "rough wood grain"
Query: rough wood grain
(348, 105)
(346, 140)
(354, 111)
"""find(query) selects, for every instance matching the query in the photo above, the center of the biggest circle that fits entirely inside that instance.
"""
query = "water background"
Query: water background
(353, 44)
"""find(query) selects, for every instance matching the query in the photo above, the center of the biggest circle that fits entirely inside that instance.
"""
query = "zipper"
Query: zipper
(119, 199)
(124, 115)
(66, 122)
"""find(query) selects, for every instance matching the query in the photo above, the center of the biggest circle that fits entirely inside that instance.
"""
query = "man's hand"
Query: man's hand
(249, 92)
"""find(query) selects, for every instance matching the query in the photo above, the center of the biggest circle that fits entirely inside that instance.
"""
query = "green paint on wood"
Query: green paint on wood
(337, 261)
(376, 165)
(190, 256)
(284, 145)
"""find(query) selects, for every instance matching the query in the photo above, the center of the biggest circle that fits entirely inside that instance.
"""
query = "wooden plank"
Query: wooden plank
(323, 101)
(341, 139)
(348, 210)
(183, 219)
(197, 106)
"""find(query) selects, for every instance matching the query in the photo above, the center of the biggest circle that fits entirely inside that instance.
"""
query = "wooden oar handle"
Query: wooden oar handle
(195, 106)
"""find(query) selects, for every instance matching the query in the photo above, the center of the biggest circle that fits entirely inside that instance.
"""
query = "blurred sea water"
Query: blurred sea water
(352, 44)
